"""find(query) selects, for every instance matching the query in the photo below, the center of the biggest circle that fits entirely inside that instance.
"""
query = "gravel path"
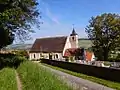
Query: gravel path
(19, 85)
(77, 83)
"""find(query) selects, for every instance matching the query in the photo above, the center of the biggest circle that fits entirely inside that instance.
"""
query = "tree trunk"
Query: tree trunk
(105, 54)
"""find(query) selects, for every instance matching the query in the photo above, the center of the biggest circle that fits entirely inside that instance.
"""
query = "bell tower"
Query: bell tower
(74, 39)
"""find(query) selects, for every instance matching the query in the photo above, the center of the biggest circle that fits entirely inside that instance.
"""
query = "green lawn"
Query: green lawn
(35, 77)
(8, 79)
(107, 83)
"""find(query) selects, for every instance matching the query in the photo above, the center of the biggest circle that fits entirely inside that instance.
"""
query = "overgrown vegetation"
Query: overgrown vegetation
(10, 60)
(8, 79)
(35, 77)
(22, 53)
(107, 83)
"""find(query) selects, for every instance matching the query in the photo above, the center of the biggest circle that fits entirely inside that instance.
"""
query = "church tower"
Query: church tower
(74, 39)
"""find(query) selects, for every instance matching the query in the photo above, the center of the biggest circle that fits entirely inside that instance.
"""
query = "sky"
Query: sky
(58, 16)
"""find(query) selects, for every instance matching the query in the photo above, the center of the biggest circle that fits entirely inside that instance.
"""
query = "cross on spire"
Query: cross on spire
(73, 26)
(73, 32)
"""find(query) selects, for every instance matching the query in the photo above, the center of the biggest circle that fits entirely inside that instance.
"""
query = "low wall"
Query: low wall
(100, 72)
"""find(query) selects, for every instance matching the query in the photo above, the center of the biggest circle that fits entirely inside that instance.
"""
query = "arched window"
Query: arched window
(34, 55)
(56, 55)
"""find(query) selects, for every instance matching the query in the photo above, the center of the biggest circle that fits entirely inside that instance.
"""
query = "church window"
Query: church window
(56, 55)
(34, 55)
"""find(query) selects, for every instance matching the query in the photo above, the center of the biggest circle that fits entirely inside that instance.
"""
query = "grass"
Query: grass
(111, 84)
(84, 43)
(35, 77)
(8, 79)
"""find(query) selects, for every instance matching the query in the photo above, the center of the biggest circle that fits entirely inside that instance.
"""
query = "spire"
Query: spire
(73, 32)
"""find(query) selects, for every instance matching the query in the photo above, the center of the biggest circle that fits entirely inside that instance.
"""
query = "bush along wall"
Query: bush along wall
(100, 72)
(10, 60)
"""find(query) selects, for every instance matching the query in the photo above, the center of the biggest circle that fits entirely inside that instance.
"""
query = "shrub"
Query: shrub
(114, 59)
(22, 53)
(10, 60)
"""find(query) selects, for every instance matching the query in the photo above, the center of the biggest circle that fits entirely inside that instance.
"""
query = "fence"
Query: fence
(100, 72)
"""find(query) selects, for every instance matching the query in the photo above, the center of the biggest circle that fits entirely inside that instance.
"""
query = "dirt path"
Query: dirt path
(77, 83)
(19, 85)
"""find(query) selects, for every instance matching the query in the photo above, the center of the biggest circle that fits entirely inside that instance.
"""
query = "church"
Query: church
(55, 48)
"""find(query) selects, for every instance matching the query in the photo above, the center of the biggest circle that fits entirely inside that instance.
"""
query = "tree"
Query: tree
(16, 18)
(104, 32)
(6, 38)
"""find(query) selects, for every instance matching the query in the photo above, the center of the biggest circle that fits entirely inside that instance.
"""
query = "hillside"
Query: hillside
(20, 46)
(84, 43)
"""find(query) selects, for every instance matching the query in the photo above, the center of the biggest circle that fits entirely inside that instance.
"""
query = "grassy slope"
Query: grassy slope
(84, 43)
(34, 77)
(107, 83)
(8, 79)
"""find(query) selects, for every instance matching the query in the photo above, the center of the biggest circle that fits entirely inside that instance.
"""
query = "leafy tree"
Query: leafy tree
(6, 38)
(16, 18)
(104, 32)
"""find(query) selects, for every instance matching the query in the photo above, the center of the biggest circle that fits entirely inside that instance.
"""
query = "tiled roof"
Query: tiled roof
(72, 52)
(51, 44)
(88, 55)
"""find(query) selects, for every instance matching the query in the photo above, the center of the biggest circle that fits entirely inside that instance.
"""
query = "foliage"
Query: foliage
(22, 53)
(107, 83)
(104, 32)
(35, 77)
(10, 60)
(6, 38)
(8, 79)
(16, 17)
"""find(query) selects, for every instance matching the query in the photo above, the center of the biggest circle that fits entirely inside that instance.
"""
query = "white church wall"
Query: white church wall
(67, 44)
(34, 56)
(93, 57)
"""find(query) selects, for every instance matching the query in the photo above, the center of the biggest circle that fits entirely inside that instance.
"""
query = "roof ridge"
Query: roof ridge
(51, 37)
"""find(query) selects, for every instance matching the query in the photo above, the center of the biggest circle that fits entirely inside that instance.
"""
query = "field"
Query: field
(35, 77)
(84, 43)
(8, 79)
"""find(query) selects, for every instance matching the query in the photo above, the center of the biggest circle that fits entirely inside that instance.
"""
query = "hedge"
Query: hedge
(10, 60)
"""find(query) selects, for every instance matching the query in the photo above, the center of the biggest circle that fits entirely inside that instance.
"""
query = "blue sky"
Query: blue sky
(58, 16)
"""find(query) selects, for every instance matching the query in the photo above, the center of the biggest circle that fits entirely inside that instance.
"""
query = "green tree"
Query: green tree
(16, 18)
(6, 38)
(104, 32)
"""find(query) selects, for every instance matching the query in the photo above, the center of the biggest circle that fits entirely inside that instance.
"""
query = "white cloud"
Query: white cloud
(51, 16)
(46, 10)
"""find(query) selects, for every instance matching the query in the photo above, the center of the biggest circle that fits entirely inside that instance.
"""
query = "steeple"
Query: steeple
(73, 32)
(73, 39)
